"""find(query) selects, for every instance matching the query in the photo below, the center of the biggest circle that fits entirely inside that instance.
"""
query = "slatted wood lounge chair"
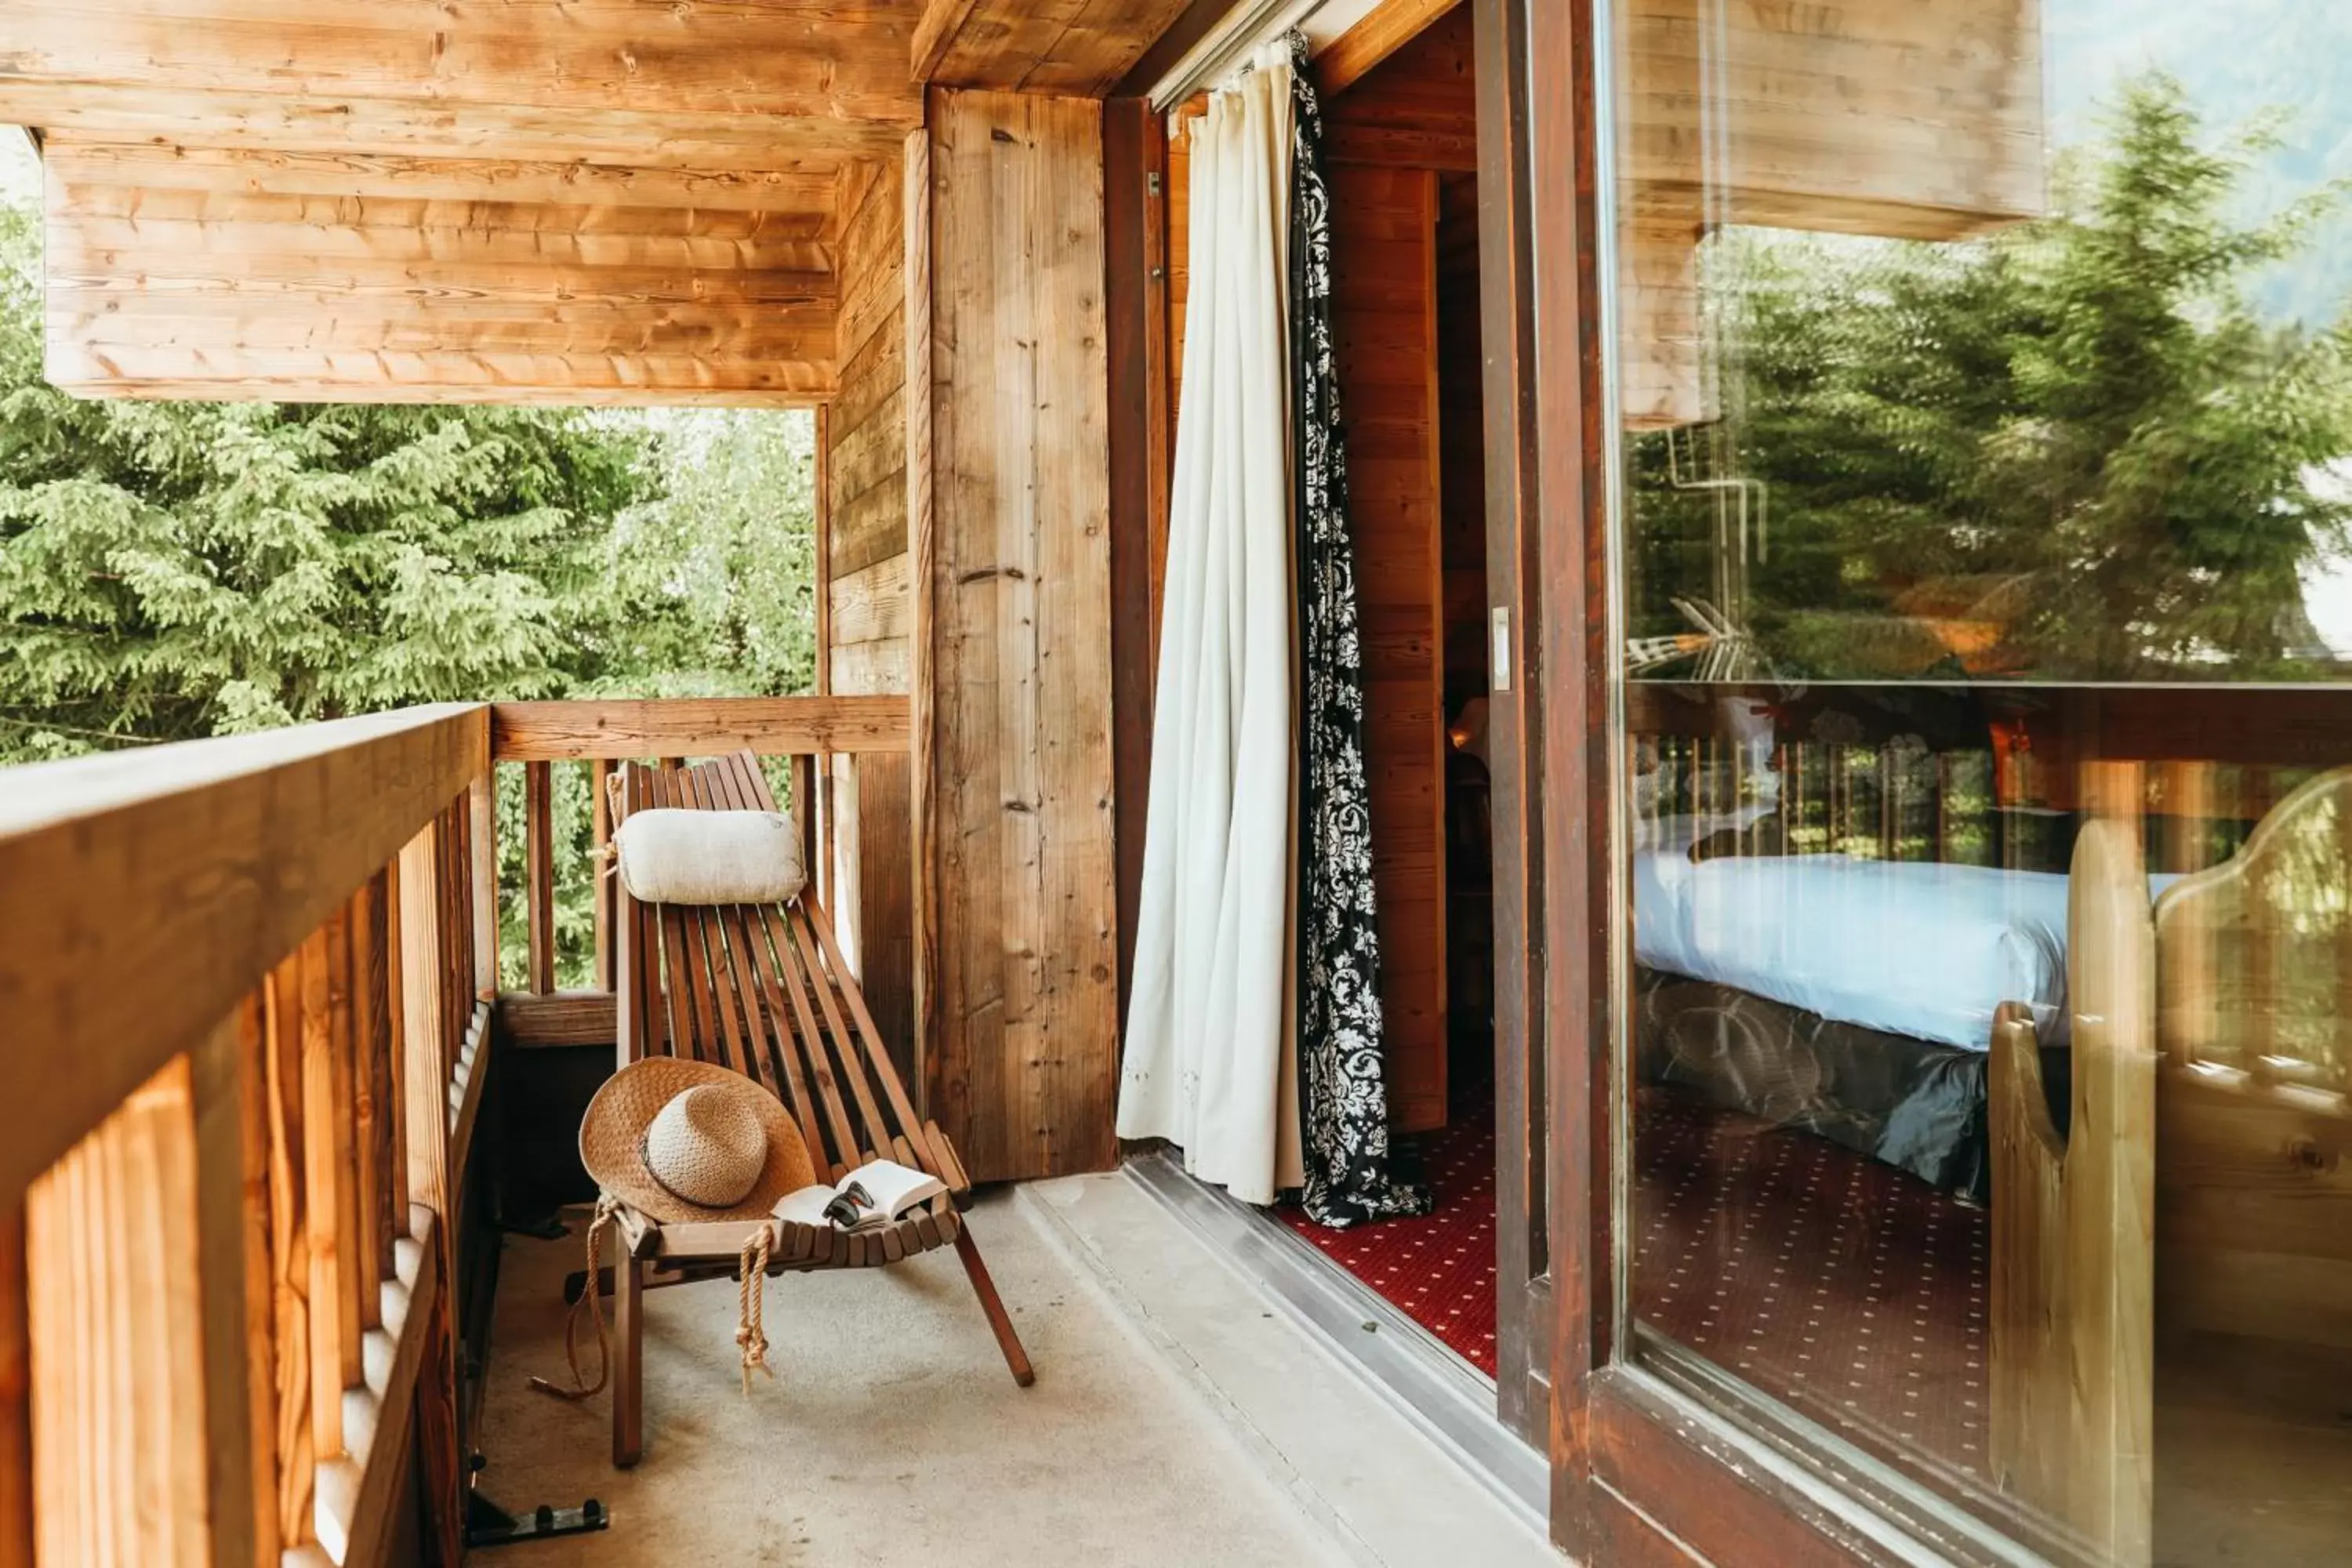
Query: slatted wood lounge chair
(764, 991)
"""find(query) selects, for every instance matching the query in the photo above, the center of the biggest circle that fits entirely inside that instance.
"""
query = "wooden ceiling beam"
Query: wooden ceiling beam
(1388, 28)
(727, 83)
(185, 272)
(261, 121)
(935, 35)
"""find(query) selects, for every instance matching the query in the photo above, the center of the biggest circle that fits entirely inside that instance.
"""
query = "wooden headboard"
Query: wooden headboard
(2203, 1201)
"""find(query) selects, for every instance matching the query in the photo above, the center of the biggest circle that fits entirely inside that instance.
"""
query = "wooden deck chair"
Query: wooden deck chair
(764, 991)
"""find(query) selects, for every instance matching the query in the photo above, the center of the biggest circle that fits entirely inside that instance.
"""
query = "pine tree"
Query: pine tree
(2079, 432)
(171, 570)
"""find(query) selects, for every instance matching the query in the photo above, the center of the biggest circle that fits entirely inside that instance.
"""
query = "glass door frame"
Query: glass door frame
(1647, 1466)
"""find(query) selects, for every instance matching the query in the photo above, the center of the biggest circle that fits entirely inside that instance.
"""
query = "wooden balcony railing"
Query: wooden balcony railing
(244, 1022)
(239, 1023)
(803, 734)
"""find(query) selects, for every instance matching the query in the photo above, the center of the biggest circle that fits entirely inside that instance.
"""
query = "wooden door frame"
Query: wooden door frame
(1647, 1466)
(1514, 727)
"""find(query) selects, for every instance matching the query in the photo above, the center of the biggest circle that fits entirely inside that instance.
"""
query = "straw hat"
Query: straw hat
(684, 1141)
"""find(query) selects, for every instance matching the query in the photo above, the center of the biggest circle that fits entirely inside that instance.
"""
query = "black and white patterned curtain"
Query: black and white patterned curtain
(1343, 1073)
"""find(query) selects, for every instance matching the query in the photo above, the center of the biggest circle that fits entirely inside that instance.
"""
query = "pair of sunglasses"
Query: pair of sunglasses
(849, 1206)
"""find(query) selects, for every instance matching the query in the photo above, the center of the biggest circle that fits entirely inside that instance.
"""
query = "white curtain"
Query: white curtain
(1210, 1058)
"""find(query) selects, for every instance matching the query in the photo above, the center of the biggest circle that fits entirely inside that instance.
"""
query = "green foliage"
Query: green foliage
(2078, 433)
(717, 577)
(175, 570)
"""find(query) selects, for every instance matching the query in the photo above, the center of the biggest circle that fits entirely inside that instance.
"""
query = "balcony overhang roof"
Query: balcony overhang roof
(574, 201)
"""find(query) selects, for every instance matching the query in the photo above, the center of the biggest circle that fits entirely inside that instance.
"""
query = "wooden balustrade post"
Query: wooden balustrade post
(539, 830)
(376, 1134)
(288, 1249)
(330, 1208)
(230, 1084)
(427, 1049)
(600, 817)
(806, 769)
(423, 1069)
(481, 802)
(116, 1325)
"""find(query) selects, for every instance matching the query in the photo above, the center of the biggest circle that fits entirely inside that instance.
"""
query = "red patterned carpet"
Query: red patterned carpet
(1845, 1288)
(1438, 1270)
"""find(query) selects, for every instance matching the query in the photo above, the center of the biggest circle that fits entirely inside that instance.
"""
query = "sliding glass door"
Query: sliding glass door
(1947, 785)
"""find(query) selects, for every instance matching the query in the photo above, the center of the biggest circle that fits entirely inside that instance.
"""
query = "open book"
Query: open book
(869, 1198)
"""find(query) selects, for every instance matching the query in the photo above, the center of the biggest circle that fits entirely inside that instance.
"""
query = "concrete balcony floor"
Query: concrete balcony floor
(1176, 1420)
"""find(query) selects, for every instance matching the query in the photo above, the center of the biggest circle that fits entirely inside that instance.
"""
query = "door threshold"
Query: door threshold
(1448, 1400)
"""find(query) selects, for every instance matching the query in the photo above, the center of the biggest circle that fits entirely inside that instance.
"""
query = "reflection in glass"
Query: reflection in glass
(1985, 498)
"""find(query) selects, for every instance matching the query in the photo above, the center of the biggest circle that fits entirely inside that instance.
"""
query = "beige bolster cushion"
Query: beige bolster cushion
(674, 856)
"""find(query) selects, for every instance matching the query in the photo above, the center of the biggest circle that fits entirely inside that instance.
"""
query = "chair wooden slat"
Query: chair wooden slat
(745, 957)
(851, 1070)
(801, 1100)
(876, 1052)
(683, 952)
(842, 1138)
(664, 935)
(714, 960)
(839, 1148)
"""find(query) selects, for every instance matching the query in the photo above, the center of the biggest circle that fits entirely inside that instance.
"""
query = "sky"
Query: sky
(20, 170)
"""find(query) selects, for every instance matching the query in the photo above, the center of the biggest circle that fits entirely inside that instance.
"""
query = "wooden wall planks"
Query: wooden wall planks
(199, 271)
(1384, 310)
(1023, 1058)
(866, 599)
(1417, 109)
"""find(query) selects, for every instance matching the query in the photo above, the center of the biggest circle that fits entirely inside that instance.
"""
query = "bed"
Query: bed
(1848, 995)
(2148, 1075)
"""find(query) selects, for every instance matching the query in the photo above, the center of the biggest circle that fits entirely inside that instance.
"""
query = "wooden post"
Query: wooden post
(230, 1083)
(481, 801)
(287, 1251)
(539, 829)
(16, 1397)
(329, 1209)
(600, 817)
(806, 770)
(423, 1066)
(384, 1213)
(427, 1051)
(922, 616)
(440, 1479)
(2072, 1306)
(115, 1320)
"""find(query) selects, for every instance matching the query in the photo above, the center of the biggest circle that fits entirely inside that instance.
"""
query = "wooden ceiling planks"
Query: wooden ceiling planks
(574, 201)
(228, 274)
(717, 83)
(1077, 48)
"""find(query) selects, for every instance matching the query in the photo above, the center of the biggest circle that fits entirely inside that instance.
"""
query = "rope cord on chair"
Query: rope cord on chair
(607, 1208)
(749, 1333)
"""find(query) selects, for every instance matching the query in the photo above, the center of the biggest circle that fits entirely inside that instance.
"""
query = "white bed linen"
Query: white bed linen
(1913, 948)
